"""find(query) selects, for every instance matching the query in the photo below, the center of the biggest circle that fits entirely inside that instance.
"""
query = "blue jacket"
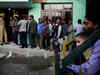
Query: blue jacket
(39, 28)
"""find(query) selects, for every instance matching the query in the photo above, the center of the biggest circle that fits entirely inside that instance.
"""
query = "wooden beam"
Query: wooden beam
(38, 0)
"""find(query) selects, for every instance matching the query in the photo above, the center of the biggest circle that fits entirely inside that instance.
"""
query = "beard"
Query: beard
(90, 30)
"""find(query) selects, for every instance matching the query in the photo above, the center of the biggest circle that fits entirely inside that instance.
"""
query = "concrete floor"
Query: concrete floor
(26, 61)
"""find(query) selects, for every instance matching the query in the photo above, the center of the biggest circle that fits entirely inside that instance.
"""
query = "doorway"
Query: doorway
(10, 12)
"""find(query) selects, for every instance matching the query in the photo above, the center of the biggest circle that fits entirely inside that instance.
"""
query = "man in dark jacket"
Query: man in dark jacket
(32, 29)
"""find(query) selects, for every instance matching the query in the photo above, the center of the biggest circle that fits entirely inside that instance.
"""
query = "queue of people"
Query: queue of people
(27, 32)
(48, 34)
(49, 31)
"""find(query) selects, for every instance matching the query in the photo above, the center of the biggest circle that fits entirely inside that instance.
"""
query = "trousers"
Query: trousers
(3, 34)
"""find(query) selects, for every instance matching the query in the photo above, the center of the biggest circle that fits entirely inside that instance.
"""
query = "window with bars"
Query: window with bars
(51, 10)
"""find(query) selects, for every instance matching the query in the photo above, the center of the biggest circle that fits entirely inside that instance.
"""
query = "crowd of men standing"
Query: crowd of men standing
(45, 33)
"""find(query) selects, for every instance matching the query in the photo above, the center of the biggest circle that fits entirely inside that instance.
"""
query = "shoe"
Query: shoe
(1, 43)
(21, 47)
(26, 47)
(6, 43)
(32, 47)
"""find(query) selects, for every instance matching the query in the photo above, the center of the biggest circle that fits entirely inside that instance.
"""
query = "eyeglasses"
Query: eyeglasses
(86, 23)
(77, 41)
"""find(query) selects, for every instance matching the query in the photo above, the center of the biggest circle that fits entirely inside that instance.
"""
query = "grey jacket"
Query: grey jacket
(32, 26)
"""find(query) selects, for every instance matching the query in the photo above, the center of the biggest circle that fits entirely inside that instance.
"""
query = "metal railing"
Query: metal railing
(58, 59)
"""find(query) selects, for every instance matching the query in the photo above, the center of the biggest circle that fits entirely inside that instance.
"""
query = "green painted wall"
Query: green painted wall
(79, 8)
(35, 10)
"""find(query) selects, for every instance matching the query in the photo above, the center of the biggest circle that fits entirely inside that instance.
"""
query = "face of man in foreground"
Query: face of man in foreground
(90, 25)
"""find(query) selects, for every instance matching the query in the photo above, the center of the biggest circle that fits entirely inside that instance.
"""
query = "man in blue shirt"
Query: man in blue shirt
(40, 26)
(79, 27)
